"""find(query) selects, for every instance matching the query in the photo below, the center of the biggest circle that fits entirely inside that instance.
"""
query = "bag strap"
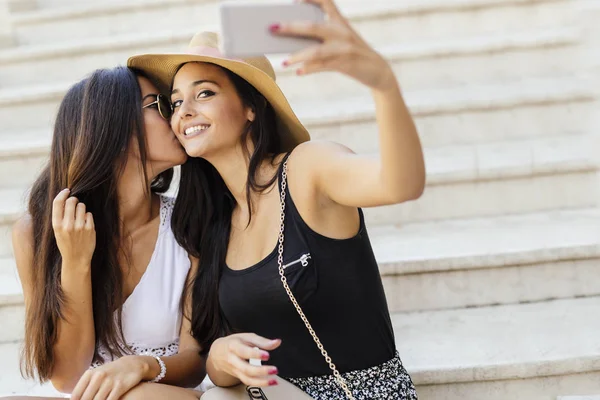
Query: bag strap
(338, 377)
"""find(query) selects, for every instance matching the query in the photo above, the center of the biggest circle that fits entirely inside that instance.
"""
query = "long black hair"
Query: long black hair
(96, 122)
(202, 215)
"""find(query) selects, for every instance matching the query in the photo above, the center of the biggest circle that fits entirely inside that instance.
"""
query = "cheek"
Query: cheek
(232, 120)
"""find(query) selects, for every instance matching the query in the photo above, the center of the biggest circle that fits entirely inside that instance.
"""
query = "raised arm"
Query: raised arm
(398, 174)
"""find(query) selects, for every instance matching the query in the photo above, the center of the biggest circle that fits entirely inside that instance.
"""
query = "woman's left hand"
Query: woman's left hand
(341, 49)
(112, 380)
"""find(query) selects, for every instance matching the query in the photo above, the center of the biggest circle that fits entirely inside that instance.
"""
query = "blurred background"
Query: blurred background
(492, 276)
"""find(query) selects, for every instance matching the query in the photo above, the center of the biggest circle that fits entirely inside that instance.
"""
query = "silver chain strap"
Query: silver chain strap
(338, 377)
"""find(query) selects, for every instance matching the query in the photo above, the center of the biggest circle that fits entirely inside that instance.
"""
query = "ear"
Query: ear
(250, 114)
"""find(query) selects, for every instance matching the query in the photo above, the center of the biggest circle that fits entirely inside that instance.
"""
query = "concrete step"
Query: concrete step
(22, 158)
(470, 114)
(382, 22)
(502, 178)
(489, 261)
(423, 64)
(474, 113)
(11, 381)
(590, 10)
(526, 351)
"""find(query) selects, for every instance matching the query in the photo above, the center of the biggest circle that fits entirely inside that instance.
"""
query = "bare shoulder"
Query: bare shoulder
(315, 156)
(318, 151)
(22, 233)
(22, 241)
(311, 164)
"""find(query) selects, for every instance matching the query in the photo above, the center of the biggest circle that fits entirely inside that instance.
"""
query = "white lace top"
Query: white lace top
(151, 315)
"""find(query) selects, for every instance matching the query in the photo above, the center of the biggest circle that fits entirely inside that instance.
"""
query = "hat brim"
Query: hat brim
(163, 67)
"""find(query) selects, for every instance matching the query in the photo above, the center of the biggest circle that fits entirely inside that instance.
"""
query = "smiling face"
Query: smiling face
(209, 116)
(163, 149)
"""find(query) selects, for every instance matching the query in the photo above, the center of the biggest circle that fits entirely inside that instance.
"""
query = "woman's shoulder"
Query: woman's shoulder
(23, 242)
(22, 231)
(314, 152)
(310, 158)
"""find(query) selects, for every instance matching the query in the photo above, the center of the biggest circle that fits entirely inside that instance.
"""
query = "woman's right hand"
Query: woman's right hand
(74, 229)
(230, 355)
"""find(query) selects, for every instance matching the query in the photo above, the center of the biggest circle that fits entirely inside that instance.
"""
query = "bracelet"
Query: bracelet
(163, 369)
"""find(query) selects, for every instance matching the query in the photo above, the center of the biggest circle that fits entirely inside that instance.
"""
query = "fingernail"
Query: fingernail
(300, 72)
(273, 371)
(66, 190)
(264, 356)
(272, 382)
(275, 27)
(285, 63)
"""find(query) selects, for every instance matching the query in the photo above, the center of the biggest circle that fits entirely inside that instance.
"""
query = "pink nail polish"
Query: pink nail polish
(300, 72)
(272, 382)
(264, 356)
(275, 28)
(273, 371)
(285, 63)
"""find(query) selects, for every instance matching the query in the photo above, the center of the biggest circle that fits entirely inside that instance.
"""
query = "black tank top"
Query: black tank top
(339, 288)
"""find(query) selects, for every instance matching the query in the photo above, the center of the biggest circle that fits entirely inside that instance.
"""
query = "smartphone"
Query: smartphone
(245, 27)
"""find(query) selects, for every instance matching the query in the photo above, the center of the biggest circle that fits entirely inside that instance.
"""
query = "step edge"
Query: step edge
(519, 370)
(498, 260)
(541, 39)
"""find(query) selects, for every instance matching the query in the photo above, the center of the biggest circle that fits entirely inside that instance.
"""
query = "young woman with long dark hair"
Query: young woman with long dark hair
(102, 273)
(263, 207)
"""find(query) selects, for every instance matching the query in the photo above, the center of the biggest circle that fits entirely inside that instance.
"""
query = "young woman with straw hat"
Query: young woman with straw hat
(287, 274)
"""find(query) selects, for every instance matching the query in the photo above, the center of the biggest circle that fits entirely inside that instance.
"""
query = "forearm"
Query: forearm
(402, 164)
(75, 344)
(185, 369)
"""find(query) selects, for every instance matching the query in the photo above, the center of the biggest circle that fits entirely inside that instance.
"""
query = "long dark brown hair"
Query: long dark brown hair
(202, 215)
(96, 122)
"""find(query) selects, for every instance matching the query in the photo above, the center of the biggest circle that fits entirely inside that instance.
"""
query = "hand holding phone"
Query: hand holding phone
(342, 49)
(321, 40)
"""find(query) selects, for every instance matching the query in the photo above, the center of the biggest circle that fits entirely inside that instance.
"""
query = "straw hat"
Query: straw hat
(258, 71)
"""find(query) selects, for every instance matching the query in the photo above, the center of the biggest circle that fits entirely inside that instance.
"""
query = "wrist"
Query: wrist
(387, 81)
(148, 367)
(210, 364)
(82, 267)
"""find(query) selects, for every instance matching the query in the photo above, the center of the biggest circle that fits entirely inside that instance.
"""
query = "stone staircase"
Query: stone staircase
(492, 275)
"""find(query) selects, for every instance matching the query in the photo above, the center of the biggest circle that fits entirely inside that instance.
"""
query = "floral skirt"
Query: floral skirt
(388, 381)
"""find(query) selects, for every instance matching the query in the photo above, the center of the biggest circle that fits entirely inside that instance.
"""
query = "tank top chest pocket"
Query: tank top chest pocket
(301, 273)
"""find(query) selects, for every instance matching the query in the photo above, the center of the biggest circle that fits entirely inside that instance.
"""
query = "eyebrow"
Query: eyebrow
(196, 83)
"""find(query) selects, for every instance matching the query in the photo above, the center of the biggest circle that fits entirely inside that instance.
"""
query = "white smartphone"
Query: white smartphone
(245, 27)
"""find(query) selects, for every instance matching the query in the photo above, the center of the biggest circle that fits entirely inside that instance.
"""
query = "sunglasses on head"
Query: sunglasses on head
(162, 103)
